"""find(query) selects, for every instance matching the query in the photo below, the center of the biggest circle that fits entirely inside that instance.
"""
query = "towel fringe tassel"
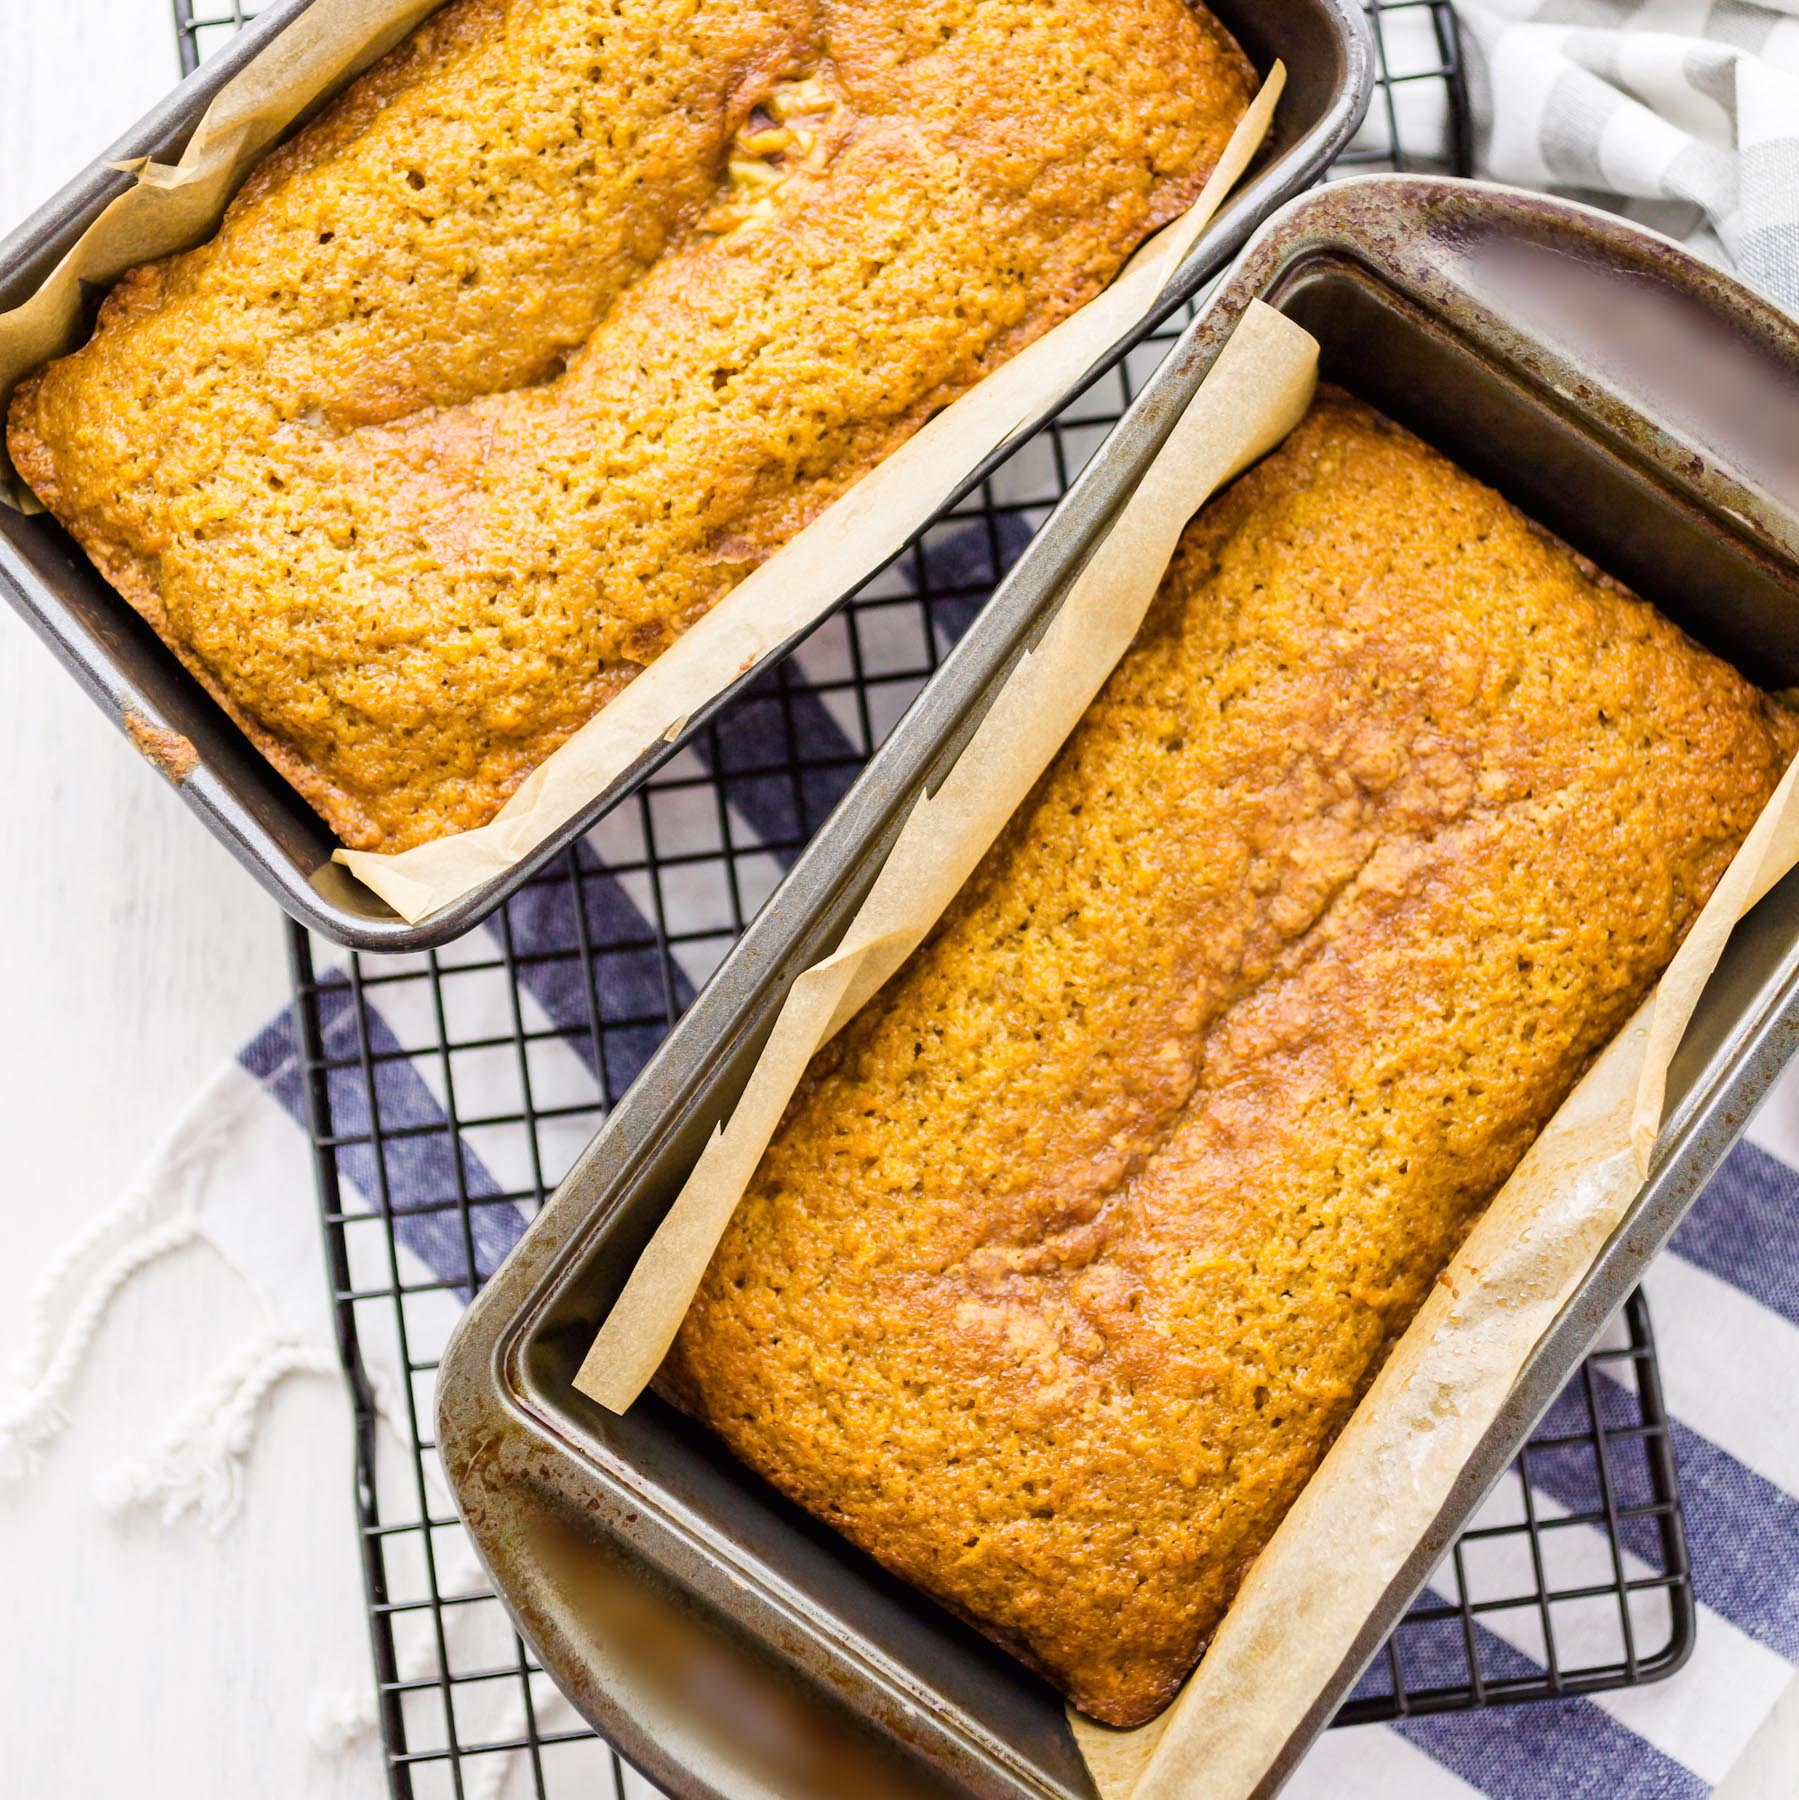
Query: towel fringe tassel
(198, 1464)
(64, 1312)
(157, 1213)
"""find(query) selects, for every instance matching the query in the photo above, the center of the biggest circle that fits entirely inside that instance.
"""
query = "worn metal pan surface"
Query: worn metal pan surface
(724, 1641)
(247, 805)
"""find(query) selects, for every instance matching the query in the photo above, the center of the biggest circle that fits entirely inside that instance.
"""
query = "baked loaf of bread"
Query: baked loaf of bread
(564, 317)
(1079, 1244)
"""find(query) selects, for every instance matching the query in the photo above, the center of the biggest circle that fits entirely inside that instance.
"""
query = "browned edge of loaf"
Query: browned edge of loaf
(675, 1383)
(130, 576)
(133, 577)
(166, 751)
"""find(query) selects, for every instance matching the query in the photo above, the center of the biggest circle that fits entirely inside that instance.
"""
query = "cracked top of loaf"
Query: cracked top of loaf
(565, 316)
(1078, 1245)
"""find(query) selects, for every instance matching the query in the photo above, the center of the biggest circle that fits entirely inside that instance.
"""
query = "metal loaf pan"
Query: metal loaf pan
(1597, 376)
(1327, 47)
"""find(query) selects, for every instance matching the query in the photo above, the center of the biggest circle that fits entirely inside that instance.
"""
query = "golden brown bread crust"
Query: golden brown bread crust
(1078, 1246)
(535, 342)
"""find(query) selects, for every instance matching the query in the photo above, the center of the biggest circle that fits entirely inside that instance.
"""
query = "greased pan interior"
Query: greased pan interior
(1467, 311)
(130, 673)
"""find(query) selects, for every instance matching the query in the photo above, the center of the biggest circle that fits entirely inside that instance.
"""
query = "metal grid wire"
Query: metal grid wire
(447, 1093)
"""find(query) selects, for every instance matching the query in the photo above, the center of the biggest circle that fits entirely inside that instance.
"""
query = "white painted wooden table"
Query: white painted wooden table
(134, 956)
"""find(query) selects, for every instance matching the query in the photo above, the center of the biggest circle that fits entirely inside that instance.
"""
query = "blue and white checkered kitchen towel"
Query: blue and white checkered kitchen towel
(1682, 113)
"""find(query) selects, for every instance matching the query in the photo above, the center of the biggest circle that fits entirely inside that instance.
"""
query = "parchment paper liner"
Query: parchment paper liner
(172, 208)
(175, 206)
(1389, 1473)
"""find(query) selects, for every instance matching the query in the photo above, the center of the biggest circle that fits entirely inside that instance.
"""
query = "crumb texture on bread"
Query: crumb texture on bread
(1078, 1246)
(561, 320)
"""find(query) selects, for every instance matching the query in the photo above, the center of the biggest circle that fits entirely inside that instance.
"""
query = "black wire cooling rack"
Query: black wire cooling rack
(445, 1094)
